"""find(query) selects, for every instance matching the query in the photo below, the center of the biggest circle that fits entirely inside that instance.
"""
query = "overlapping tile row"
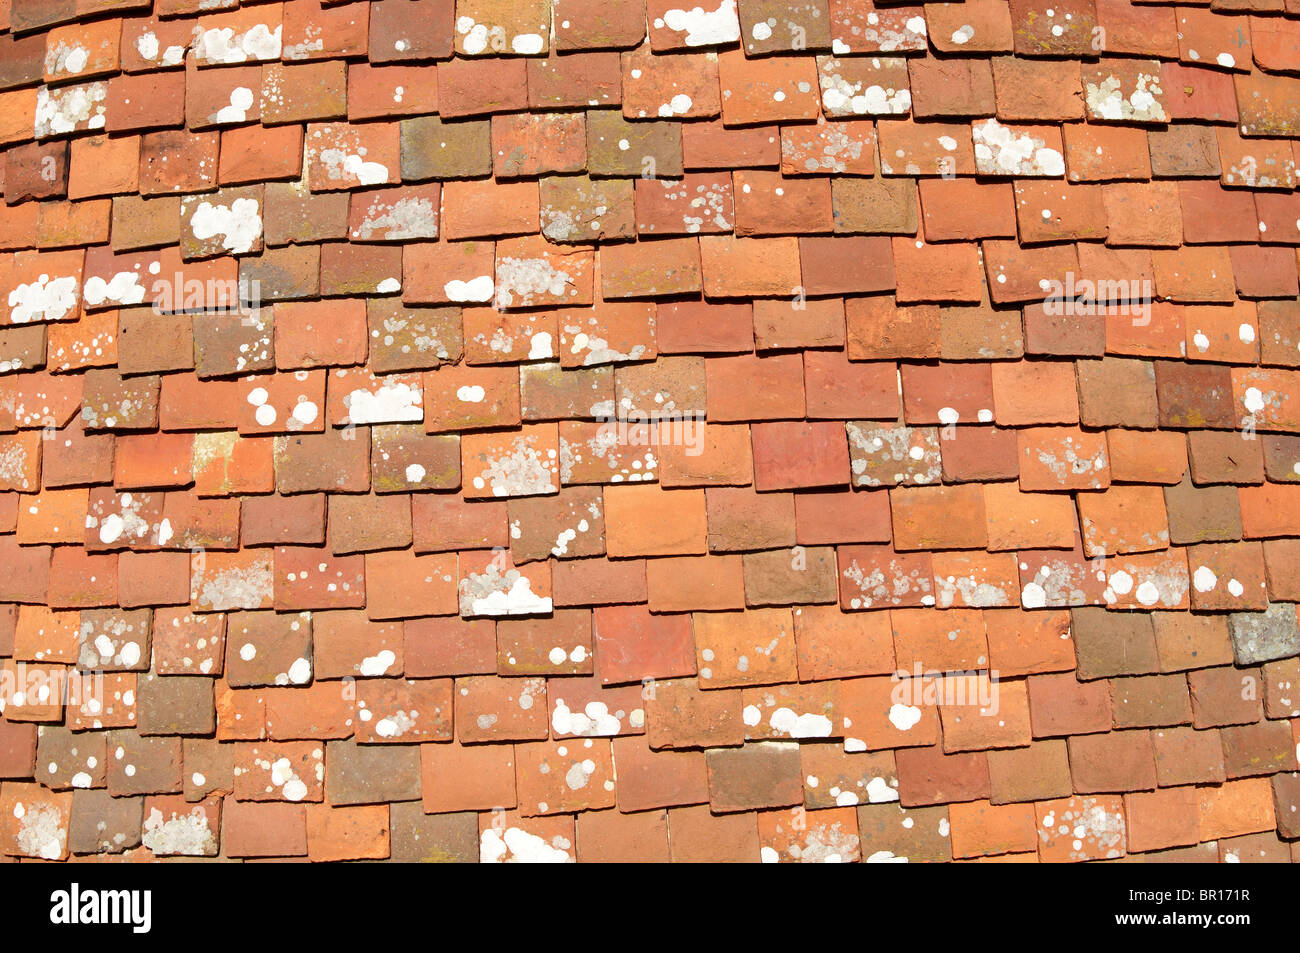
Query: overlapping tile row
(551, 430)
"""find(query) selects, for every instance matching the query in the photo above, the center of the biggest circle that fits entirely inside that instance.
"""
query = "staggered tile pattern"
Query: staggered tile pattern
(625, 393)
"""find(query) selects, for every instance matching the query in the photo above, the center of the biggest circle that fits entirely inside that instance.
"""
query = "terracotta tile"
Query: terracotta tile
(796, 836)
(930, 81)
(592, 25)
(672, 28)
(375, 151)
(874, 86)
(394, 35)
(265, 830)
(611, 837)
(711, 145)
(467, 778)
(493, 709)
(508, 837)
(872, 28)
(1237, 807)
(726, 656)
(468, 87)
(1183, 755)
(892, 834)
(668, 86)
(36, 822)
(651, 269)
(828, 148)
(573, 80)
(777, 89)
(1101, 822)
(928, 776)
(652, 149)
(575, 208)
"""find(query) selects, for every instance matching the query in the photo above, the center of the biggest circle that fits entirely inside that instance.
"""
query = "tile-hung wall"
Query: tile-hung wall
(783, 430)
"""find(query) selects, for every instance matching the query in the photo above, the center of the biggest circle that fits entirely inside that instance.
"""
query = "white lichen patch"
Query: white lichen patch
(241, 101)
(513, 845)
(238, 224)
(904, 717)
(1147, 585)
(1273, 172)
(527, 282)
(1255, 400)
(417, 336)
(474, 290)
(70, 108)
(1106, 100)
(786, 722)
(282, 776)
(889, 586)
(840, 97)
(701, 27)
(566, 225)
(594, 348)
(378, 664)
(1056, 583)
(223, 45)
(593, 720)
(474, 38)
(186, 835)
(113, 641)
(405, 219)
(882, 32)
(615, 455)
(500, 593)
(884, 455)
(395, 724)
(825, 844)
(303, 413)
(388, 402)
(1072, 466)
(704, 205)
(124, 287)
(836, 149)
(48, 298)
(40, 830)
(152, 51)
(969, 590)
(14, 466)
(69, 59)
(567, 536)
(340, 156)
(313, 41)
(255, 353)
(882, 791)
(1092, 831)
(524, 470)
(232, 587)
(125, 526)
(1000, 150)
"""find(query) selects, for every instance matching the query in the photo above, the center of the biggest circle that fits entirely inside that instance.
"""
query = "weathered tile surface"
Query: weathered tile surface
(547, 430)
